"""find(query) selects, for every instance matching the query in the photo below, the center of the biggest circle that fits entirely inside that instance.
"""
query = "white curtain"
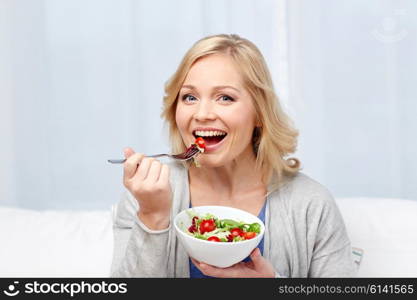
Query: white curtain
(80, 80)
(352, 79)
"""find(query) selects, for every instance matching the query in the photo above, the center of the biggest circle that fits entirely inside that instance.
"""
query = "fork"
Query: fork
(188, 154)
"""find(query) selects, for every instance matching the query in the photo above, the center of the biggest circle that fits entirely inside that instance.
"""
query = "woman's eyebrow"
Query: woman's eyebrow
(219, 87)
(191, 87)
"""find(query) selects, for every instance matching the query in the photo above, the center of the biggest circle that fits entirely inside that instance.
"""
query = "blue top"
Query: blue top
(196, 273)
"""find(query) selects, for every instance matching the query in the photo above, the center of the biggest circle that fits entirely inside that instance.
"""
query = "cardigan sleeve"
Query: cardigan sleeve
(332, 252)
(138, 251)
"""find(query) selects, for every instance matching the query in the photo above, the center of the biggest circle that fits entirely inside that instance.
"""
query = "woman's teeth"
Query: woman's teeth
(209, 133)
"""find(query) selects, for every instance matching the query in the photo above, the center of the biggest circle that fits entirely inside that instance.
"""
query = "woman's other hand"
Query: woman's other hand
(257, 267)
(148, 181)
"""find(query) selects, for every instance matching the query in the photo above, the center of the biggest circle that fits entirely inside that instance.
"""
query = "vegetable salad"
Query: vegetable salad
(210, 228)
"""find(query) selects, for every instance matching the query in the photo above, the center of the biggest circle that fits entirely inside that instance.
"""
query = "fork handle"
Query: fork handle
(158, 155)
(116, 161)
(121, 161)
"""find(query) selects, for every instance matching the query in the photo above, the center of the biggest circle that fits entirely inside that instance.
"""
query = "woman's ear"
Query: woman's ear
(256, 136)
(258, 123)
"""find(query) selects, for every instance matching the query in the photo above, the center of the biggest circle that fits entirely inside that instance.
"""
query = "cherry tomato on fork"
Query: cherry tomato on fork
(200, 142)
(207, 226)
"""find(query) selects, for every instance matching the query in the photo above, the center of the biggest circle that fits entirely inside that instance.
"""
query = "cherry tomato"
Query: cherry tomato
(236, 232)
(249, 235)
(213, 239)
(207, 226)
(200, 142)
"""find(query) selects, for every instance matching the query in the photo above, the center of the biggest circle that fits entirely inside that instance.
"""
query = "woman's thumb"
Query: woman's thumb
(128, 152)
(262, 265)
(256, 257)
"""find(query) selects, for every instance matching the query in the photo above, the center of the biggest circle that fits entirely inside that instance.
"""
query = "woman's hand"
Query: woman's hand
(148, 181)
(258, 267)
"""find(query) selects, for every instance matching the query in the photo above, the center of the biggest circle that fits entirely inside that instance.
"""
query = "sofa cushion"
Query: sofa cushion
(55, 243)
(385, 229)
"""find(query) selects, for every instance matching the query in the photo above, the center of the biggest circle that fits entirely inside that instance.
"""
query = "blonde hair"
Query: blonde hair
(275, 138)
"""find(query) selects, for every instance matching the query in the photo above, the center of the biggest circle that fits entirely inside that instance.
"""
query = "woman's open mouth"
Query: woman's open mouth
(211, 138)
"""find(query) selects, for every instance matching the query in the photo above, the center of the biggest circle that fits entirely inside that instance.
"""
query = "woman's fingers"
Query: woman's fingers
(261, 265)
(258, 267)
(140, 170)
(216, 272)
(257, 259)
(143, 169)
(164, 175)
(139, 167)
(154, 171)
(230, 272)
(131, 165)
(128, 152)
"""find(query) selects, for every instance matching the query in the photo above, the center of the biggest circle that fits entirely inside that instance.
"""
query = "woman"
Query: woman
(223, 91)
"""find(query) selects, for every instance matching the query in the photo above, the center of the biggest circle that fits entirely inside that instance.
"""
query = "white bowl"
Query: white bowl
(219, 254)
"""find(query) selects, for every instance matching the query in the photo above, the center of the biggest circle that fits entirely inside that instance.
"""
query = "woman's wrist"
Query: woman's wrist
(154, 221)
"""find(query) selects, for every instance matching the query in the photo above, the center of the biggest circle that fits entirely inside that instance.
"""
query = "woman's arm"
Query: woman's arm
(332, 252)
(138, 251)
(335, 264)
(142, 222)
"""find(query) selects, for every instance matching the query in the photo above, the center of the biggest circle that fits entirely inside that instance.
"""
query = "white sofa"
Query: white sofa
(80, 244)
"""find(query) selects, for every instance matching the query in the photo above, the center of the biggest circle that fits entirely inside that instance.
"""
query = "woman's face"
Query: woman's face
(213, 102)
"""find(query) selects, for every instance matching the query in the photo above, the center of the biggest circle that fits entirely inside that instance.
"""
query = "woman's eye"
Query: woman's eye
(226, 98)
(188, 98)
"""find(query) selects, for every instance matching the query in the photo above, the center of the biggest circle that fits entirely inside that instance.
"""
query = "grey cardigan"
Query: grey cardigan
(305, 234)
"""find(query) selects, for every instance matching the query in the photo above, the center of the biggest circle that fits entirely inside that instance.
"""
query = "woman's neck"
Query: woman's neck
(238, 177)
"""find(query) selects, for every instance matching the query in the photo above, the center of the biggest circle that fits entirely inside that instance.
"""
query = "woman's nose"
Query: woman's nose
(204, 111)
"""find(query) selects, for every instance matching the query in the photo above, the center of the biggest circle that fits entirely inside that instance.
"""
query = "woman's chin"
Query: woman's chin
(210, 162)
